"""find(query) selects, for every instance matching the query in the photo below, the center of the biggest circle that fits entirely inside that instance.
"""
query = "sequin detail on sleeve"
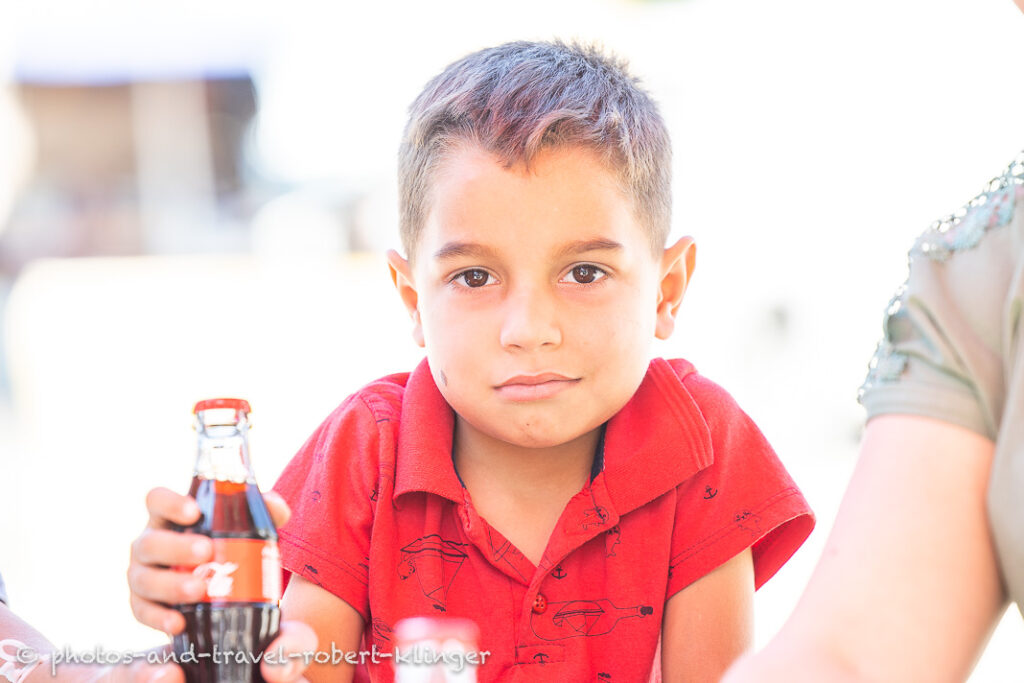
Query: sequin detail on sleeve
(965, 227)
(886, 364)
(959, 231)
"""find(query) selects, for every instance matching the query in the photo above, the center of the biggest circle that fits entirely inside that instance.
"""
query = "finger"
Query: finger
(169, 586)
(171, 548)
(147, 670)
(295, 638)
(278, 508)
(158, 616)
(165, 506)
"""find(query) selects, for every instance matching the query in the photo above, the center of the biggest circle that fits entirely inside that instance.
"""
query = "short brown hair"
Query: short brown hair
(517, 99)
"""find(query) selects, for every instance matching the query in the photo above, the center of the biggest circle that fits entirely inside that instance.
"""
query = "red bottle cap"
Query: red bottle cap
(235, 403)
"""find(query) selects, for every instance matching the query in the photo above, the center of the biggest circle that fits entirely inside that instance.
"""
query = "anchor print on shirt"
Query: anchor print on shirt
(434, 562)
(595, 516)
(581, 618)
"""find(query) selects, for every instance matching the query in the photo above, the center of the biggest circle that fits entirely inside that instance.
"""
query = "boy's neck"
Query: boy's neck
(522, 472)
(521, 492)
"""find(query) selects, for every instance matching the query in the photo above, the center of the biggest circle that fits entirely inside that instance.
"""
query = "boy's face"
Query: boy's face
(536, 294)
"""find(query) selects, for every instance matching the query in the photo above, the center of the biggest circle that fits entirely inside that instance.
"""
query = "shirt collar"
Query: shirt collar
(658, 440)
(424, 460)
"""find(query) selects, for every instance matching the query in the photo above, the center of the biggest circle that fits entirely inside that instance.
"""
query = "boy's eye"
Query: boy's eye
(585, 273)
(474, 277)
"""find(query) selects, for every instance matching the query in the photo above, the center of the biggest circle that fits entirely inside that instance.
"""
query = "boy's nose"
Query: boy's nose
(529, 321)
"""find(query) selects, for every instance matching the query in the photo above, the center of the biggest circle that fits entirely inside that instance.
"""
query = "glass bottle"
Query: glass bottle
(227, 631)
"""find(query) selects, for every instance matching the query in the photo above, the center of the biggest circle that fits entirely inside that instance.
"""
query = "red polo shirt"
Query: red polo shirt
(381, 520)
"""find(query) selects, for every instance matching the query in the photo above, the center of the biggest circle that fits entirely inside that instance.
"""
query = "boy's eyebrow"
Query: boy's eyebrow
(456, 249)
(460, 249)
(581, 246)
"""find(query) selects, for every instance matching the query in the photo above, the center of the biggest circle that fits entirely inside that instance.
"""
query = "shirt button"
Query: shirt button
(540, 604)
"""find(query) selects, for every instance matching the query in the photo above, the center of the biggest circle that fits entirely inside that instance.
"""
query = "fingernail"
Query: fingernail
(190, 508)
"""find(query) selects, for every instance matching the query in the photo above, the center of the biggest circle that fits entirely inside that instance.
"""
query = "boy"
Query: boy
(537, 473)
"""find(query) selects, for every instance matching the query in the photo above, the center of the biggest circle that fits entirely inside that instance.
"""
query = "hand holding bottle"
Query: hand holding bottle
(206, 568)
(154, 583)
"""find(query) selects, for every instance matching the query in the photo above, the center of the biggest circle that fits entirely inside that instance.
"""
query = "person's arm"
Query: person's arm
(25, 652)
(708, 624)
(338, 626)
(27, 656)
(907, 587)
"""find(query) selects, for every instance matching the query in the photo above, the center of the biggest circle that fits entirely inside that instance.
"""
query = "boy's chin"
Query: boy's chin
(537, 437)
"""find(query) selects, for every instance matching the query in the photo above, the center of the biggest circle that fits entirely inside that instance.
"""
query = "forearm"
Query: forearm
(26, 656)
(907, 587)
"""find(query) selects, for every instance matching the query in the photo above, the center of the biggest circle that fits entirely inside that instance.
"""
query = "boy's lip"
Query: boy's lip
(531, 380)
(534, 387)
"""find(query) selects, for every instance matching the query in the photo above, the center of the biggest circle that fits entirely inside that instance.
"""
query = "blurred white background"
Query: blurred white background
(195, 198)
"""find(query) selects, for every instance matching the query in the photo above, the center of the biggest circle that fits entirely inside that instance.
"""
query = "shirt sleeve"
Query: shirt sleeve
(944, 330)
(330, 487)
(744, 499)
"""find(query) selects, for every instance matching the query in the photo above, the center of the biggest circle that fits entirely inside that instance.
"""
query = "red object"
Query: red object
(210, 403)
(688, 482)
(417, 629)
(429, 644)
(239, 612)
(540, 604)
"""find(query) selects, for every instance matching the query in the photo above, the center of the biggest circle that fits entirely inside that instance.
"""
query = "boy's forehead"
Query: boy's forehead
(474, 193)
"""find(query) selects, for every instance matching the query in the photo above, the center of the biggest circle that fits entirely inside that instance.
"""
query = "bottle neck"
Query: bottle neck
(223, 451)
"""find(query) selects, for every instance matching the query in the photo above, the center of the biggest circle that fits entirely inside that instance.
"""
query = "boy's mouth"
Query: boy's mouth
(534, 387)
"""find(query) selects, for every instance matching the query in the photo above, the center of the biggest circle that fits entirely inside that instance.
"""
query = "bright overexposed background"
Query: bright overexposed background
(195, 198)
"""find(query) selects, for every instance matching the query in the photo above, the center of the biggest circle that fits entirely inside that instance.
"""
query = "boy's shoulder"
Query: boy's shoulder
(710, 399)
(376, 416)
(678, 419)
(382, 397)
(378, 401)
(364, 418)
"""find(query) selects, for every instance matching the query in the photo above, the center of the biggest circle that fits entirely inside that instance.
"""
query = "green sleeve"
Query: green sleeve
(945, 331)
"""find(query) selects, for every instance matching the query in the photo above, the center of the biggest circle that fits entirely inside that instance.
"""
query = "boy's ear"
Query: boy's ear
(677, 264)
(401, 275)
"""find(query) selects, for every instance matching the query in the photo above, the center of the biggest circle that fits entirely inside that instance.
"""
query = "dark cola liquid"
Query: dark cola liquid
(223, 640)
(227, 641)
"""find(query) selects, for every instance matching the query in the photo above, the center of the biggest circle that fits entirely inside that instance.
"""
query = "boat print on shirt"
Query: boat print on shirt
(434, 562)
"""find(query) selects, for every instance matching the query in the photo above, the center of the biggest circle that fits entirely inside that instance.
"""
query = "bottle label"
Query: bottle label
(242, 570)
